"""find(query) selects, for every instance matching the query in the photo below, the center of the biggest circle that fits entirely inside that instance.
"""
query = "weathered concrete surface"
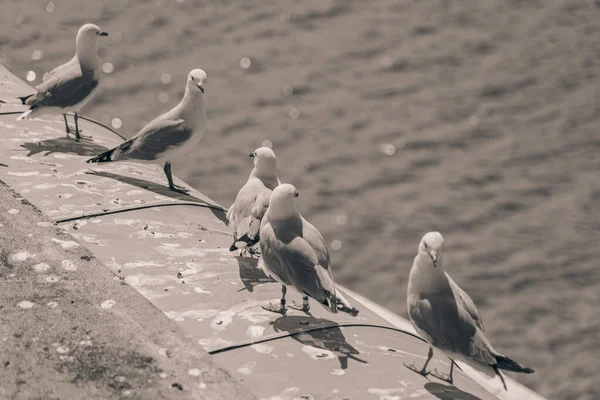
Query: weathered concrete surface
(69, 328)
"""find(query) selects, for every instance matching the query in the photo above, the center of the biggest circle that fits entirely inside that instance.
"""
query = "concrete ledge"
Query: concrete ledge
(69, 328)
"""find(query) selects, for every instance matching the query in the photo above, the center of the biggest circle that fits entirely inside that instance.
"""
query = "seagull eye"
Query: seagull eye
(425, 244)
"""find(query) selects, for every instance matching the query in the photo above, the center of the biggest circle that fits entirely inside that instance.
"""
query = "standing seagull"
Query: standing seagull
(252, 200)
(70, 86)
(446, 317)
(294, 253)
(169, 136)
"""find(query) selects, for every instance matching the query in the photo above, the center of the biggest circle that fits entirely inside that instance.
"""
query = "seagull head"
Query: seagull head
(264, 159)
(86, 40)
(283, 201)
(90, 31)
(431, 245)
(197, 79)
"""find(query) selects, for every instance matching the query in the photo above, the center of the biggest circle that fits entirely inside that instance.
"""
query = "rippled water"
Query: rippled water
(475, 118)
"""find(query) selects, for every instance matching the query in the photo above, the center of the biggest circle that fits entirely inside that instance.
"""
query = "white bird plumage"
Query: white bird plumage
(252, 201)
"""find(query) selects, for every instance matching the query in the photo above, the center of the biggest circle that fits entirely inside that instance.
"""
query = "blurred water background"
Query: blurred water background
(477, 118)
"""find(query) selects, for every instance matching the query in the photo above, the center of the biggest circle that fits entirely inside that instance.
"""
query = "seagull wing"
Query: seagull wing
(466, 303)
(449, 327)
(292, 259)
(242, 207)
(71, 64)
(155, 139)
(259, 209)
(67, 87)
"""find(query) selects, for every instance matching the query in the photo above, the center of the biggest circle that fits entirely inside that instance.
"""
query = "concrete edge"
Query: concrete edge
(71, 329)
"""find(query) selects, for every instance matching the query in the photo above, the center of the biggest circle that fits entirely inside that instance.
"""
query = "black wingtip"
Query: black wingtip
(104, 157)
(507, 364)
(24, 98)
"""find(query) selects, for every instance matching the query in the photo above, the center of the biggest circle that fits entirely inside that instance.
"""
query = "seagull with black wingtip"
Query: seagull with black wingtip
(169, 136)
(294, 253)
(446, 317)
(252, 201)
(70, 86)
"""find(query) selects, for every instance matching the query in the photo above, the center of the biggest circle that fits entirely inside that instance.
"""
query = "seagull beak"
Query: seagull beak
(434, 257)
(103, 33)
(251, 155)
(201, 87)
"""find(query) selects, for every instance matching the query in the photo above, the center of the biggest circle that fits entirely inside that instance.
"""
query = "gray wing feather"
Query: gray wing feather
(156, 138)
(258, 211)
(450, 327)
(66, 87)
(295, 262)
(241, 208)
(73, 63)
(467, 303)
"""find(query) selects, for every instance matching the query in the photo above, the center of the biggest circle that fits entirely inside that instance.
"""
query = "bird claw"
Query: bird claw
(254, 252)
(303, 308)
(420, 371)
(179, 189)
(275, 308)
(352, 311)
(442, 377)
(84, 137)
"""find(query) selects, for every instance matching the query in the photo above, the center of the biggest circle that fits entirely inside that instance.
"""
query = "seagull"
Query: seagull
(252, 200)
(295, 254)
(169, 136)
(70, 86)
(446, 317)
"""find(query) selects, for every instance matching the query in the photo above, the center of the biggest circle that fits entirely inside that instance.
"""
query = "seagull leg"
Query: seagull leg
(445, 378)
(281, 309)
(172, 186)
(67, 127)
(305, 306)
(421, 371)
(78, 137)
(501, 377)
(254, 252)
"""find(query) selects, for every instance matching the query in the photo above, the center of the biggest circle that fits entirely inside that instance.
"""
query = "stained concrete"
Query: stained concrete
(70, 328)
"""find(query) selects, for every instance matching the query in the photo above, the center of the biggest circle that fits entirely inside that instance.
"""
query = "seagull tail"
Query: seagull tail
(24, 98)
(24, 115)
(243, 242)
(104, 157)
(506, 363)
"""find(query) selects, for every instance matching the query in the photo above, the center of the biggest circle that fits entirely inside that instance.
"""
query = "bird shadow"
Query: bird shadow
(250, 274)
(330, 337)
(63, 145)
(448, 392)
(160, 189)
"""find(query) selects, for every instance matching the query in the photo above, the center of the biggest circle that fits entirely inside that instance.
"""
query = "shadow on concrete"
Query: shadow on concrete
(63, 145)
(448, 392)
(250, 274)
(330, 338)
(162, 190)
